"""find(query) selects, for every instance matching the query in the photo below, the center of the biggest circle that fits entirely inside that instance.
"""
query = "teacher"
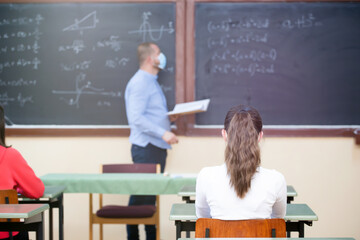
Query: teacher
(149, 123)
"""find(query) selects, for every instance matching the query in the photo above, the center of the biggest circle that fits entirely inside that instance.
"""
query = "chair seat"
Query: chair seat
(115, 211)
(130, 215)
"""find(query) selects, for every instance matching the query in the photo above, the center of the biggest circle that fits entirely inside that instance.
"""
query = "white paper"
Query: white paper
(190, 107)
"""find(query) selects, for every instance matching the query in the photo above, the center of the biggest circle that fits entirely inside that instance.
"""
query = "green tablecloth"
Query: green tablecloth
(119, 183)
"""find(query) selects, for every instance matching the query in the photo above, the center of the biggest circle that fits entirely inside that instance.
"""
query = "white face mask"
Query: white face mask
(162, 60)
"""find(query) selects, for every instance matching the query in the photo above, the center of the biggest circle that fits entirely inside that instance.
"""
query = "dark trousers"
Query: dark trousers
(147, 154)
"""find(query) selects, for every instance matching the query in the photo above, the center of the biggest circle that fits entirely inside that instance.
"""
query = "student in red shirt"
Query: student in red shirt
(16, 174)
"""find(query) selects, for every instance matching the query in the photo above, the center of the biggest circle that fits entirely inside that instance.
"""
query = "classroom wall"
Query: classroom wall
(324, 171)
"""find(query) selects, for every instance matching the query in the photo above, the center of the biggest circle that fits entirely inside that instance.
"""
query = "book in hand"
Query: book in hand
(190, 107)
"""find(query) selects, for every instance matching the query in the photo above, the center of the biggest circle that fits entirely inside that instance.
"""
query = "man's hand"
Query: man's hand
(170, 138)
(173, 118)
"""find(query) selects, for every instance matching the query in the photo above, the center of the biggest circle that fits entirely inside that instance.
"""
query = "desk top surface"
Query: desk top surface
(190, 190)
(119, 183)
(50, 192)
(21, 210)
(294, 212)
(53, 191)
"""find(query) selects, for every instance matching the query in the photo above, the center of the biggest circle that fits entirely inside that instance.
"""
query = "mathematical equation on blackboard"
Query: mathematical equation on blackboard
(229, 41)
(26, 35)
(19, 42)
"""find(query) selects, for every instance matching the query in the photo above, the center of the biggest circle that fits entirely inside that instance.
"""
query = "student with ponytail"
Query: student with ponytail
(241, 188)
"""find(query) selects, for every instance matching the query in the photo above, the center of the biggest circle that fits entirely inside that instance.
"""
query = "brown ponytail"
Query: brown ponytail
(242, 155)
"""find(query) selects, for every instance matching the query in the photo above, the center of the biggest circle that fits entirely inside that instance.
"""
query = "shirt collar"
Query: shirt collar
(148, 75)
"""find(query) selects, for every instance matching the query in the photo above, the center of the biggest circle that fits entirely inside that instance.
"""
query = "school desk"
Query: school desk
(120, 183)
(297, 215)
(32, 215)
(190, 191)
(53, 195)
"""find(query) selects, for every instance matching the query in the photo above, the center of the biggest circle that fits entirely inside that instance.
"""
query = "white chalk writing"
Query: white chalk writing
(146, 29)
(21, 34)
(103, 104)
(21, 62)
(22, 21)
(5, 99)
(227, 40)
(254, 55)
(231, 25)
(83, 88)
(165, 88)
(21, 48)
(304, 21)
(169, 69)
(77, 46)
(116, 62)
(251, 69)
(17, 83)
(76, 66)
(113, 42)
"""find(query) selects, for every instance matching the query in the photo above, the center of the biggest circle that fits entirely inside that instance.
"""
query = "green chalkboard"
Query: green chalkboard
(69, 63)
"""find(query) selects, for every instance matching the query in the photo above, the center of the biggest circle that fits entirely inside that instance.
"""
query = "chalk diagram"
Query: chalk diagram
(81, 89)
(146, 29)
(87, 22)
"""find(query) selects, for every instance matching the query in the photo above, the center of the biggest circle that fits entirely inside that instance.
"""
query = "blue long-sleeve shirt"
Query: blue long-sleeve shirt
(146, 110)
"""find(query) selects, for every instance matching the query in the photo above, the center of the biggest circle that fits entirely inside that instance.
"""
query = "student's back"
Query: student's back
(265, 198)
(240, 188)
(17, 174)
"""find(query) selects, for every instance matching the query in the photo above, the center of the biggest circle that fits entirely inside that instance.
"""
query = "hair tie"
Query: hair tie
(245, 110)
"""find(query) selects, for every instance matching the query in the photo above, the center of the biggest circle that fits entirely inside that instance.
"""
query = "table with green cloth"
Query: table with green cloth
(120, 183)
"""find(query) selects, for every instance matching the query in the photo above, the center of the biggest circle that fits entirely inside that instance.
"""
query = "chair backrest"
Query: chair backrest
(263, 228)
(8, 196)
(131, 168)
(128, 168)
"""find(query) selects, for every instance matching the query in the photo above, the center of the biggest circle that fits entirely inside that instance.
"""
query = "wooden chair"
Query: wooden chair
(9, 196)
(133, 215)
(263, 228)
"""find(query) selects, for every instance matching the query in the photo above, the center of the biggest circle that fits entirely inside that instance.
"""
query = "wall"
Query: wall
(324, 171)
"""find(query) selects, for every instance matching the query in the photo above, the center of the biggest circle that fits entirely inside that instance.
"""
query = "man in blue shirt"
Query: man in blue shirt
(146, 111)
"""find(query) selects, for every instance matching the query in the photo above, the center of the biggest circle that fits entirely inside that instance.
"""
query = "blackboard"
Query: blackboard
(297, 63)
(69, 63)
